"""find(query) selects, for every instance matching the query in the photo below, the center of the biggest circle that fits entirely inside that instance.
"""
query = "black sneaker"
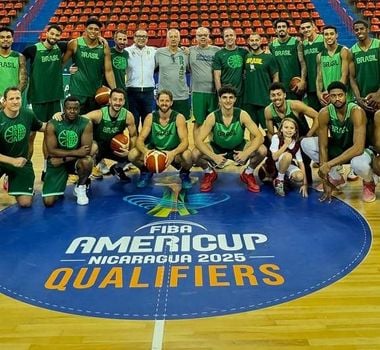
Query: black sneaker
(119, 173)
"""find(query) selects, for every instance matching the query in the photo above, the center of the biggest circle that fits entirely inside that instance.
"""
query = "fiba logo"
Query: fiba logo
(68, 139)
(15, 133)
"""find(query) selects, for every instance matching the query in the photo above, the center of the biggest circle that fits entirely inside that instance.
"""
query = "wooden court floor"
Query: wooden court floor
(344, 316)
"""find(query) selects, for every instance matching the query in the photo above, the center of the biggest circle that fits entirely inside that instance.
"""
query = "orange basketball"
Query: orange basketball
(155, 161)
(119, 141)
(293, 82)
(102, 95)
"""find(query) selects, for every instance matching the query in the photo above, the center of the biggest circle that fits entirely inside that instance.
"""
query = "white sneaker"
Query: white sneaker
(80, 193)
(352, 176)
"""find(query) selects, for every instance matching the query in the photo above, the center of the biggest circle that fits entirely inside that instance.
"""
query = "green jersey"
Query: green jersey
(231, 136)
(14, 132)
(259, 70)
(164, 137)
(109, 127)
(69, 133)
(367, 67)
(310, 50)
(231, 65)
(303, 127)
(331, 66)
(46, 82)
(9, 71)
(90, 63)
(341, 132)
(286, 55)
(119, 66)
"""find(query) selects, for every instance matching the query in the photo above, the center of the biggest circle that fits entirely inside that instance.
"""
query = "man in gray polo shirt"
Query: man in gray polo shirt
(172, 64)
(204, 99)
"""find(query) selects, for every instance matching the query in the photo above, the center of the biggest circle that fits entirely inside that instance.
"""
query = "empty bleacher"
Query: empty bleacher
(370, 10)
(9, 10)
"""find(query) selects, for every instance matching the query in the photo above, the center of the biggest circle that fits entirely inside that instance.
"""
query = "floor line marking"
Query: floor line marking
(158, 334)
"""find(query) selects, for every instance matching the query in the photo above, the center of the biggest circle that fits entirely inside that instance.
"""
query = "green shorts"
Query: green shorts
(87, 104)
(256, 113)
(20, 180)
(183, 107)
(203, 104)
(44, 111)
(56, 178)
(312, 101)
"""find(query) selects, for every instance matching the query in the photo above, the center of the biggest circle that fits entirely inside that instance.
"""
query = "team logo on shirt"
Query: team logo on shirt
(68, 139)
(119, 62)
(235, 61)
(15, 133)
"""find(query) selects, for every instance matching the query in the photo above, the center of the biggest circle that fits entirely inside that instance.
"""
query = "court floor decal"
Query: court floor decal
(166, 253)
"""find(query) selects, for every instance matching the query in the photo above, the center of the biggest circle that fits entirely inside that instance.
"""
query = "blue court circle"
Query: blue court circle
(164, 253)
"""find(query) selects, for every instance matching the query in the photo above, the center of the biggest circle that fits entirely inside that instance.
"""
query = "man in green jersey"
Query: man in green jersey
(365, 67)
(70, 148)
(228, 64)
(226, 127)
(93, 58)
(288, 52)
(45, 94)
(16, 124)
(109, 121)
(341, 139)
(260, 70)
(12, 63)
(164, 130)
(313, 44)
(332, 64)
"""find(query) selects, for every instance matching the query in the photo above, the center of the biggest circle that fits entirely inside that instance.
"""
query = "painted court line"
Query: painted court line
(158, 334)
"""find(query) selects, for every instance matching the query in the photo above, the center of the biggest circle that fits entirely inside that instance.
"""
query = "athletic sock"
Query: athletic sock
(248, 170)
(281, 176)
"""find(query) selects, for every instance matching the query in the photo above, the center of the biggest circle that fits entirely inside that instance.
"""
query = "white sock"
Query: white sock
(248, 170)
(334, 173)
(281, 176)
(45, 165)
(209, 170)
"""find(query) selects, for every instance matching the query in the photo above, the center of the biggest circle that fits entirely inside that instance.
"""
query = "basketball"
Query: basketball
(155, 161)
(119, 141)
(293, 83)
(326, 96)
(102, 95)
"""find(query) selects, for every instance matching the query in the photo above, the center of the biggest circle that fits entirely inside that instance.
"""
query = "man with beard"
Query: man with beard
(341, 139)
(228, 65)
(163, 130)
(201, 56)
(260, 72)
(70, 148)
(288, 52)
(12, 63)
(365, 69)
(225, 127)
(312, 46)
(92, 57)
(45, 94)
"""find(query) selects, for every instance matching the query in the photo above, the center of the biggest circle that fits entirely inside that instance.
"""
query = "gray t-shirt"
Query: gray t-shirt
(172, 72)
(201, 59)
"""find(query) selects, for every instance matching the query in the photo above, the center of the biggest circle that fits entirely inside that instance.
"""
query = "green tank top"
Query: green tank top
(367, 67)
(9, 68)
(90, 63)
(164, 138)
(341, 133)
(286, 55)
(303, 126)
(311, 50)
(119, 66)
(109, 127)
(46, 83)
(14, 132)
(69, 133)
(331, 66)
(228, 137)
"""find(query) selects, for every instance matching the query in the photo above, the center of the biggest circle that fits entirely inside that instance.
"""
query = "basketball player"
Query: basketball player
(345, 122)
(92, 57)
(203, 94)
(12, 63)
(44, 94)
(70, 148)
(288, 52)
(228, 65)
(260, 70)
(365, 67)
(164, 130)
(172, 64)
(16, 124)
(226, 127)
(313, 44)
